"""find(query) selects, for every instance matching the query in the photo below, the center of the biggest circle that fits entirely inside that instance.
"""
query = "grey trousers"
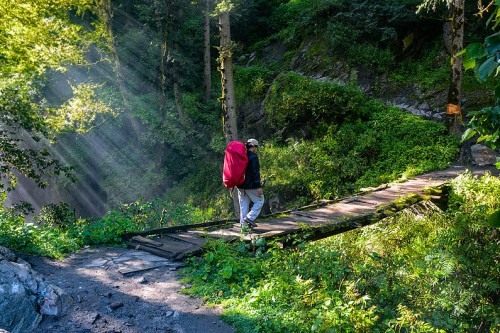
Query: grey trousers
(244, 198)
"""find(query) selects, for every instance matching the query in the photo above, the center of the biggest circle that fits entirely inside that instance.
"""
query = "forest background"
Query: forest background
(122, 99)
(126, 92)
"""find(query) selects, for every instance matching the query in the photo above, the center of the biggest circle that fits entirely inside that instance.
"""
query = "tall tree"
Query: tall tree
(453, 107)
(453, 110)
(175, 69)
(163, 20)
(223, 9)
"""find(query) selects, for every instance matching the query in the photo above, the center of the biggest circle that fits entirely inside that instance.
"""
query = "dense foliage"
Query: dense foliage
(353, 141)
(144, 152)
(432, 273)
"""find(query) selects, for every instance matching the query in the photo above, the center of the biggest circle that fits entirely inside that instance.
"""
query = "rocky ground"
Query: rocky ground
(119, 290)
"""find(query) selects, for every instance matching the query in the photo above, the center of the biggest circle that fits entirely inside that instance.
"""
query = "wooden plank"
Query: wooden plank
(169, 249)
(308, 215)
(150, 249)
(324, 221)
(193, 250)
(188, 238)
(177, 228)
(166, 244)
(147, 241)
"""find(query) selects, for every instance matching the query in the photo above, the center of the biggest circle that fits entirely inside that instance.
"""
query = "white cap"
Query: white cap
(252, 142)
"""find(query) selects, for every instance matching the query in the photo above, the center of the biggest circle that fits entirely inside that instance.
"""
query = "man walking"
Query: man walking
(251, 189)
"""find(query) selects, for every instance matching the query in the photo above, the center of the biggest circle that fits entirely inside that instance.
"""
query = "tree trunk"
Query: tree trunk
(227, 83)
(453, 110)
(227, 80)
(175, 73)
(162, 21)
(163, 10)
(207, 71)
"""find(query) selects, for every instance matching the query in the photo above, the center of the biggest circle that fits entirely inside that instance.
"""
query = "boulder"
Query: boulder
(24, 295)
(482, 155)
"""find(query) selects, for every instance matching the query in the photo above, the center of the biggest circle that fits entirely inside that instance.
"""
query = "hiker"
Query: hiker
(251, 189)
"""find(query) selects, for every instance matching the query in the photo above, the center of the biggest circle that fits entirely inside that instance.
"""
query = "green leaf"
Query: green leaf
(227, 272)
(475, 51)
(482, 138)
(469, 133)
(487, 68)
(469, 64)
(493, 44)
(496, 14)
(494, 219)
(209, 257)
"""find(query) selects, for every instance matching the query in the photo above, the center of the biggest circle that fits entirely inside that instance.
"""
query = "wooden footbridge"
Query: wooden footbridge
(312, 222)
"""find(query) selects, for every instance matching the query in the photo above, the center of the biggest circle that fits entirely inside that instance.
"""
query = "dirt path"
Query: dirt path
(107, 301)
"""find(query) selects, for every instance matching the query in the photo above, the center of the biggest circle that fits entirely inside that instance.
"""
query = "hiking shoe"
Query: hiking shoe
(251, 223)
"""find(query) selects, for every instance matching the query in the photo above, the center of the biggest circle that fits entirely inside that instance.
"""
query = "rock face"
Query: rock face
(24, 296)
(482, 155)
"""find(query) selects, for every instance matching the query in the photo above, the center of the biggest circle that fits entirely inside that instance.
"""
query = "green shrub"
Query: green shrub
(251, 83)
(431, 71)
(57, 215)
(367, 56)
(54, 236)
(21, 236)
(295, 103)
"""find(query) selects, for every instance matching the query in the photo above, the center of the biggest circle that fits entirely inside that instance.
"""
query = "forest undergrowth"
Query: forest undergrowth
(437, 272)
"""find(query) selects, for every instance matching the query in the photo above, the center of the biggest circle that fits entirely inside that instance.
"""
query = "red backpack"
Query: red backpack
(235, 164)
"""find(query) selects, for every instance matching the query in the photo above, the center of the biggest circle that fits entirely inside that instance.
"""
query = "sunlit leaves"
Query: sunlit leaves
(39, 35)
(80, 112)
(224, 6)
(486, 123)
(483, 58)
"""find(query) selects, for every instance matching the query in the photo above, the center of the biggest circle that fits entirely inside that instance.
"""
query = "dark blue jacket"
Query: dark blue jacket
(252, 175)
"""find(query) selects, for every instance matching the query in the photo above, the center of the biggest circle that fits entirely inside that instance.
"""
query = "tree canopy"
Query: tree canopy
(36, 37)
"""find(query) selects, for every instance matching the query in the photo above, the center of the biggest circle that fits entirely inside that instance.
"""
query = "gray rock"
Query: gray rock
(18, 303)
(482, 155)
(25, 297)
(5, 253)
(115, 305)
